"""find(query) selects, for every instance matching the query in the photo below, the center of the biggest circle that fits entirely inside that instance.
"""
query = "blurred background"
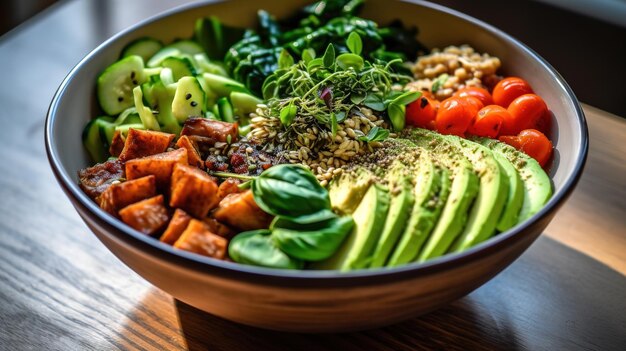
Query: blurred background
(585, 40)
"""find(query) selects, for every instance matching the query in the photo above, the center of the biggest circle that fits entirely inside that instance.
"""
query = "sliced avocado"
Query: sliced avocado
(401, 203)
(431, 189)
(537, 185)
(463, 190)
(369, 221)
(347, 190)
(515, 198)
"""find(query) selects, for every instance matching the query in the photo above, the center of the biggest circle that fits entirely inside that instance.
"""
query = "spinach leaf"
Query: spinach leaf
(290, 191)
(312, 242)
(354, 43)
(329, 56)
(374, 101)
(257, 248)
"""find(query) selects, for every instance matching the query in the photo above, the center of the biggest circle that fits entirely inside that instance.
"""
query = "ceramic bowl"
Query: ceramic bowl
(315, 301)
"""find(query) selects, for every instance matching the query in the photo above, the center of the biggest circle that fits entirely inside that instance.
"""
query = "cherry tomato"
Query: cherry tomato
(488, 121)
(479, 93)
(533, 143)
(509, 89)
(454, 116)
(544, 123)
(525, 111)
(473, 103)
(422, 112)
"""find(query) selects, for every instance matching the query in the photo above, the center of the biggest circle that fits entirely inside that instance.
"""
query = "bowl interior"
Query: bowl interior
(75, 102)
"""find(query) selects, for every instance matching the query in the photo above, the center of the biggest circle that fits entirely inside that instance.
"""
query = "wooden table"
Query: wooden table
(62, 290)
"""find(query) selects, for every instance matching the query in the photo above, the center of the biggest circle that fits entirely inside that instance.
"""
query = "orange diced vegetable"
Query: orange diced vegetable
(199, 239)
(159, 165)
(216, 130)
(141, 143)
(120, 195)
(117, 144)
(148, 216)
(229, 186)
(241, 212)
(193, 156)
(193, 190)
(177, 226)
(219, 228)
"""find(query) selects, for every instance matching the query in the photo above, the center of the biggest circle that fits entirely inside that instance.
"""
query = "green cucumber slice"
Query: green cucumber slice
(188, 47)
(223, 86)
(189, 99)
(205, 65)
(180, 66)
(168, 51)
(116, 83)
(147, 117)
(143, 47)
(226, 110)
(164, 96)
(94, 138)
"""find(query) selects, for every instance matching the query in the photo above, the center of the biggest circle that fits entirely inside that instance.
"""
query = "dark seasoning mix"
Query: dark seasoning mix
(315, 143)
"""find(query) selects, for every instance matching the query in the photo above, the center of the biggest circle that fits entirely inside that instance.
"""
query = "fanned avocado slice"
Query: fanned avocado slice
(491, 198)
(537, 185)
(402, 199)
(463, 190)
(431, 190)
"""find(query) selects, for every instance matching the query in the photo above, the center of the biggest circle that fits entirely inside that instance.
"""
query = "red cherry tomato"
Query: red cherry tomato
(533, 143)
(544, 123)
(509, 89)
(479, 93)
(473, 103)
(488, 121)
(422, 112)
(454, 116)
(525, 111)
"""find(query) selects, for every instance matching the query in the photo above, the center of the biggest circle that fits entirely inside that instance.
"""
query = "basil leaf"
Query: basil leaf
(374, 101)
(375, 134)
(397, 116)
(407, 98)
(308, 55)
(313, 242)
(285, 60)
(288, 113)
(302, 221)
(354, 43)
(289, 190)
(439, 82)
(345, 61)
(329, 56)
(257, 248)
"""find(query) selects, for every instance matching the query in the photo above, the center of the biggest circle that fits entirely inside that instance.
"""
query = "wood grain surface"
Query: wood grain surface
(62, 290)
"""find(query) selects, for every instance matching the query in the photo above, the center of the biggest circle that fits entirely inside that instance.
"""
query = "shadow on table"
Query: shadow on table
(455, 327)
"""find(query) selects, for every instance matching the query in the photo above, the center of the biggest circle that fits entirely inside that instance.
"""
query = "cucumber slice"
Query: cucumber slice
(144, 47)
(164, 97)
(161, 55)
(189, 47)
(205, 65)
(115, 84)
(243, 105)
(147, 117)
(94, 140)
(180, 66)
(226, 110)
(189, 99)
(124, 129)
(223, 86)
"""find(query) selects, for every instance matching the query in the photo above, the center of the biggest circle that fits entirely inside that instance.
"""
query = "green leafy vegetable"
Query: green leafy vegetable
(285, 60)
(329, 56)
(287, 114)
(311, 242)
(257, 248)
(354, 43)
(289, 191)
(439, 82)
(375, 134)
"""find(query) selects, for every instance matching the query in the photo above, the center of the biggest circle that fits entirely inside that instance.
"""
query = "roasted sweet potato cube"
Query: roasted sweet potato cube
(241, 212)
(148, 216)
(159, 165)
(96, 179)
(198, 238)
(218, 228)
(193, 156)
(193, 190)
(142, 143)
(120, 195)
(177, 226)
(117, 144)
(229, 186)
(216, 130)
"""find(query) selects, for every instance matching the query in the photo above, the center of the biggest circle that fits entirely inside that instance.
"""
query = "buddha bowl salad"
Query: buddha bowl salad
(322, 141)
